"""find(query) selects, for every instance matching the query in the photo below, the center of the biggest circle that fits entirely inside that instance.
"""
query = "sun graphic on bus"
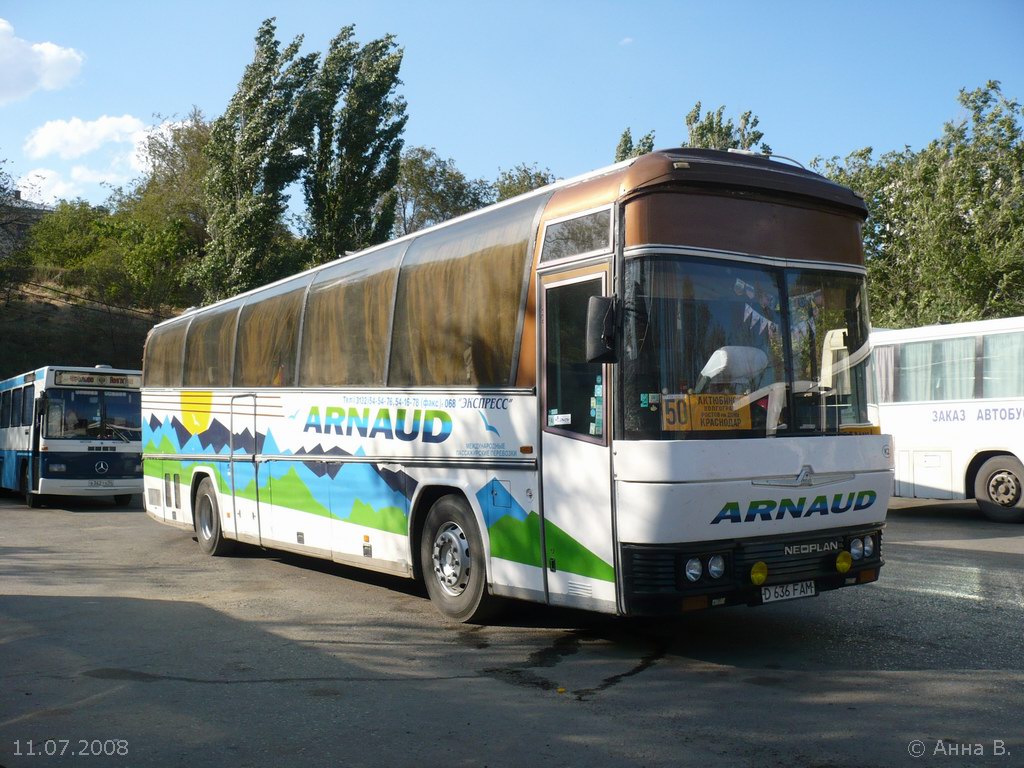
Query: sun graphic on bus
(195, 411)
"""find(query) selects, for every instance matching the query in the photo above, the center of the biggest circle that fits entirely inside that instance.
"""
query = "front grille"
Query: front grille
(659, 569)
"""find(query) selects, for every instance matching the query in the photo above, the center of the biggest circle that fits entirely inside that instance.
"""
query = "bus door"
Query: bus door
(244, 488)
(575, 447)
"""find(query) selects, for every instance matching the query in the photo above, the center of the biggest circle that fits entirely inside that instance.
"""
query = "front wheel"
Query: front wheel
(998, 489)
(452, 559)
(207, 521)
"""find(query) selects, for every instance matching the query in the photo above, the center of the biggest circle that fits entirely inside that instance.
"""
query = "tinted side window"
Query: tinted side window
(28, 401)
(161, 366)
(584, 234)
(268, 333)
(5, 409)
(210, 349)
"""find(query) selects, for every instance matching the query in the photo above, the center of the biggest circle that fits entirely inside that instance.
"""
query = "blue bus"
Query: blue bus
(70, 431)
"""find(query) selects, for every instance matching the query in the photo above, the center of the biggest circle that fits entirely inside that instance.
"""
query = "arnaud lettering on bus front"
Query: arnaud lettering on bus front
(771, 509)
(685, 413)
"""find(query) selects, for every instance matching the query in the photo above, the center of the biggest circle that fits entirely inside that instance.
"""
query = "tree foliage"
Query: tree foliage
(520, 179)
(712, 131)
(431, 190)
(354, 147)
(255, 153)
(627, 149)
(945, 237)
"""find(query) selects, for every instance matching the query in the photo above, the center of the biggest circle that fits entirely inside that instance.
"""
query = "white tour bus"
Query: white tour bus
(952, 398)
(70, 431)
(607, 394)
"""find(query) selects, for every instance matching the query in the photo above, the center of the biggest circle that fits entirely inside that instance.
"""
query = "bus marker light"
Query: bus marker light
(843, 562)
(526, 450)
(758, 573)
(695, 603)
(866, 577)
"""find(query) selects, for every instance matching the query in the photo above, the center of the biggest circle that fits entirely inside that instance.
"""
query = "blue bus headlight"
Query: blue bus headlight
(857, 549)
(716, 566)
(694, 569)
(58, 467)
(869, 546)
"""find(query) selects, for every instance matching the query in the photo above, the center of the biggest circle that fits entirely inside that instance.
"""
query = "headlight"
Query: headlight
(857, 549)
(694, 569)
(716, 567)
(58, 467)
(869, 546)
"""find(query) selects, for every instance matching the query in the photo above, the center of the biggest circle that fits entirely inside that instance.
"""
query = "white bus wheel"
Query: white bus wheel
(999, 489)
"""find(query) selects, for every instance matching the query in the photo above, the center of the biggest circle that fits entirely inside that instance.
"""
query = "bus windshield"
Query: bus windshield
(93, 414)
(719, 349)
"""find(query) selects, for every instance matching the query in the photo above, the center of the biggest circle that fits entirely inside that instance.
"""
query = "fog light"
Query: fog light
(758, 573)
(58, 467)
(843, 562)
(869, 546)
(716, 566)
(857, 549)
(694, 569)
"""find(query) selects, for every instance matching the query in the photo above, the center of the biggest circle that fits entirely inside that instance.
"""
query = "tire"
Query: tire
(206, 515)
(452, 561)
(32, 500)
(123, 499)
(999, 489)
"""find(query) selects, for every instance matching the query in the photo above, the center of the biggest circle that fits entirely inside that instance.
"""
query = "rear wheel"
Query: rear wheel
(999, 489)
(207, 521)
(452, 559)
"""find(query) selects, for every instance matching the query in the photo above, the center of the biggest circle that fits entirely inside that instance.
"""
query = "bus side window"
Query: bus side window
(5, 410)
(28, 402)
(15, 408)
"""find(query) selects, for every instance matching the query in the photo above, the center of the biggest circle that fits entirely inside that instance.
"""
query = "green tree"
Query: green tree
(627, 149)
(431, 190)
(520, 179)
(255, 153)
(355, 146)
(945, 237)
(712, 131)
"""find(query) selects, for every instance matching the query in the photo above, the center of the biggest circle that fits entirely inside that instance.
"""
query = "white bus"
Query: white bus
(71, 431)
(603, 394)
(952, 397)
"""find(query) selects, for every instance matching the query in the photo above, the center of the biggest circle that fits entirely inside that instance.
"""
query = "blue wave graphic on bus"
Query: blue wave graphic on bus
(354, 491)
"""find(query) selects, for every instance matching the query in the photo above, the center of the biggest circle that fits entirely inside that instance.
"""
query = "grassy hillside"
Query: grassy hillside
(37, 331)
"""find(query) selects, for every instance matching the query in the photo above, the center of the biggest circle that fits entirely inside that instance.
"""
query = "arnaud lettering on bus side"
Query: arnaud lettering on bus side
(769, 509)
(405, 424)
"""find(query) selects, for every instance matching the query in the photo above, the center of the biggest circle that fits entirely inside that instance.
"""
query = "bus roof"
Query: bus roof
(681, 168)
(882, 336)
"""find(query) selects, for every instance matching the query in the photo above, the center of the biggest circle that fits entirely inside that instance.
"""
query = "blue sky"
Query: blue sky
(491, 85)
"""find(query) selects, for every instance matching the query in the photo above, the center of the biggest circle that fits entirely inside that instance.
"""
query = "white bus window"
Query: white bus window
(936, 370)
(1003, 365)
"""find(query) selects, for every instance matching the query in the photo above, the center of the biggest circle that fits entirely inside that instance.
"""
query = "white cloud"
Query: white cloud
(45, 185)
(626, 41)
(73, 138)
(26, 67)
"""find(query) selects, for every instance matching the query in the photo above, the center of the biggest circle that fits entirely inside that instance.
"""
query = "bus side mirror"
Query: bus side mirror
(601, 330)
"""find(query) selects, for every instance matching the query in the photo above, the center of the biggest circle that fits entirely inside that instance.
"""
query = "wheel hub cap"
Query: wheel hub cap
(451, 559)
(1004, 488)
